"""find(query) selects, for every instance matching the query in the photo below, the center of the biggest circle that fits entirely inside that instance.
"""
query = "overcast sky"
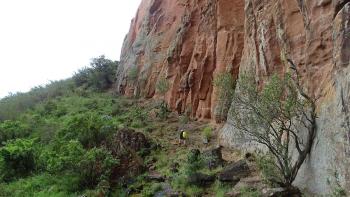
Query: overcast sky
(42, 40)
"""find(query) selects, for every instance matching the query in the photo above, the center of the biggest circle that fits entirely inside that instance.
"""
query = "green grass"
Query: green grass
(249, 192)
(40, 185)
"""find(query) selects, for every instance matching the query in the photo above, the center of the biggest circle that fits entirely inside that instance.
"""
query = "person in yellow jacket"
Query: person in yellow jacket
(183, 137)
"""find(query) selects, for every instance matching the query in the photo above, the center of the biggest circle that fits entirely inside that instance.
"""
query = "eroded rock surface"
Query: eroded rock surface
(315, 35)
(186, 41)
(189, 42)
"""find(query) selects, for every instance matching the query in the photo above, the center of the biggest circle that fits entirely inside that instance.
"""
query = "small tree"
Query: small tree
(277, 116)
(99, 76)
(162, 88)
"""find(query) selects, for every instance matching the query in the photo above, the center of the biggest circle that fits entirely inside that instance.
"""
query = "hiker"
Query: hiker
(183, 137)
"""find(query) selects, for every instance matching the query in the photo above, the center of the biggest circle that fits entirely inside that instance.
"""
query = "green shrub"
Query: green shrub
(17, 159)
(12, 106)
(194, 162)
(64, 157)
(99, 76)
(220, 189)
(207, 132)
(151, 190)
(268, 169)
(137, 116)
(96, 166)
(41, 186)
(164, 111)
(338, 192)
(10, 130)
(93, 167)
(91, 129)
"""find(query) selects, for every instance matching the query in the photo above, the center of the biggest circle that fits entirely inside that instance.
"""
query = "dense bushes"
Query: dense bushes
(15, 104)
(56, 140)
(10, 130)
(91, 166)
(62, 156)
(96, 168)
(71, 135)
(99, 76)
(91, 129)
(17, 159)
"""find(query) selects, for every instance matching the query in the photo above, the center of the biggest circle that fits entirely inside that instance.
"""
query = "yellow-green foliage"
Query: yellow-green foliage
(207, 132)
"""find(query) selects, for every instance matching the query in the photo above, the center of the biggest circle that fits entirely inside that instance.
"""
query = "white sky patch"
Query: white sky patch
(42, 40)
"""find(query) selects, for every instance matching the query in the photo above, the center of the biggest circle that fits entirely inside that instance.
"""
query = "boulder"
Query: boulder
(155, 176)
(125, 145)
(200, 179)
(213, 158)
(233, 194)
(250, 182)
(168, 191)
(131, 139)
(234, 171)
(281, 192)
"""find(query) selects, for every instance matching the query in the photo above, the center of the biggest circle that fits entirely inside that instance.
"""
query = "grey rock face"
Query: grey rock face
(328, 164)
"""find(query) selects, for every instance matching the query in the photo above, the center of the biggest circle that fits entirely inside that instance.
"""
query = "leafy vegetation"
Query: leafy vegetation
(99, 76)
(207, 132)
(10, 130)
(162, 88)
(269, 116)
(59, 139)
(14, 105)
(17, 159)
(53, 141)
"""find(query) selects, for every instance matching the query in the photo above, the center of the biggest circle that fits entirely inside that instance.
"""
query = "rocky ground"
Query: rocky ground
(226, 173)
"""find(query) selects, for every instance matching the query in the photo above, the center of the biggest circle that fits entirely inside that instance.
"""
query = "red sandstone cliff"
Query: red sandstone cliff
(187, 42)
(190, 41)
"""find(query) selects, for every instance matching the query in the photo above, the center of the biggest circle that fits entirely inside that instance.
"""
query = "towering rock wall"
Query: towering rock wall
(187, 42)
(315, 35)
(190, 41)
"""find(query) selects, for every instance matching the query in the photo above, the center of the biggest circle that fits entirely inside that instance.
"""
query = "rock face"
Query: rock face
(189, 42)
(315, 34)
